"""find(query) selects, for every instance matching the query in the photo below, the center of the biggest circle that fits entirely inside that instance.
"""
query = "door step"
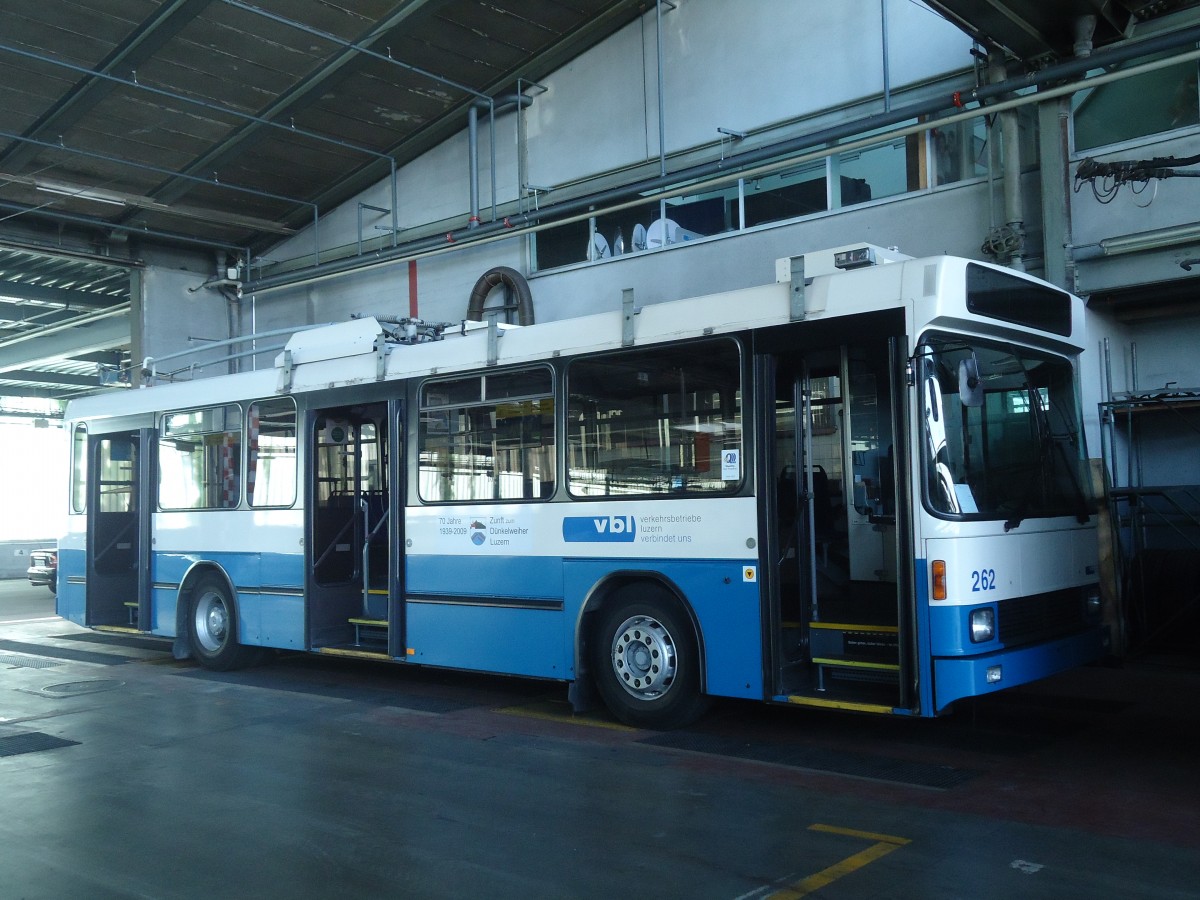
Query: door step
(865, 651)
(353, 653)
(851, 705)
(369, 631)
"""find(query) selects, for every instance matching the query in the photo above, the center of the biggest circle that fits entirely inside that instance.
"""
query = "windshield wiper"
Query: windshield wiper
(1047, 441)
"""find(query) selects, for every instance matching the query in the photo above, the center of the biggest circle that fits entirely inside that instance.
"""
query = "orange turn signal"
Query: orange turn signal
(939, 579)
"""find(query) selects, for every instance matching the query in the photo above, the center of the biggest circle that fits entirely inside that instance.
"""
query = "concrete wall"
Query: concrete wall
(1162, 204)
(771, 63)
(177, 313)
(732, 66)
(951, 220)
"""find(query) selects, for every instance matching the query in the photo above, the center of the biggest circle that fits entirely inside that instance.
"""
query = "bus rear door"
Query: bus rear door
(118, 531)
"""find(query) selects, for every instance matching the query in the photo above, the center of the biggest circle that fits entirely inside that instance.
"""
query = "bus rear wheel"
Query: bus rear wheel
(647, 663)
(212, 627)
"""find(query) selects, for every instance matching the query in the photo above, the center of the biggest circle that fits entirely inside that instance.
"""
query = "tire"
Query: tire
(646, 660)
(53, 584)
(212, 627)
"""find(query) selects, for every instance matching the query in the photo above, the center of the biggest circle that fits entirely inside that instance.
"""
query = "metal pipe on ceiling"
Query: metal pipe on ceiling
(30, 321)
(390, 60)
(887, 66)
(473, 165)
(1013, 237)
(104, 225)
(662, 124)
(89, 319)
(213, 107)
(778, 156)
(61, 253)
(494, 107)
(147, 167)
(195, 101)
(351, 45)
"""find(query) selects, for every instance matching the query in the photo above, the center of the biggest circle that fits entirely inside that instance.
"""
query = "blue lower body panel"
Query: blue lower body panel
(269, 595)
(533, 642)
(520, 615)
(71, 596)
(958, 677)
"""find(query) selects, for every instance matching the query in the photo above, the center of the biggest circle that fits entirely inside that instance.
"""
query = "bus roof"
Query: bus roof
(831, 283)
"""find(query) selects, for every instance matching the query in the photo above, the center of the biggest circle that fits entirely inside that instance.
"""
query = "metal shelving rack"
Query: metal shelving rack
(1156, 526)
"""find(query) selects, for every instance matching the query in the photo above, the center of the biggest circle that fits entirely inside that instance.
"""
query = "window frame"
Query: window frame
(247, 493)
(160, 435)
(78, 497)
(426, 411)
(740, 391)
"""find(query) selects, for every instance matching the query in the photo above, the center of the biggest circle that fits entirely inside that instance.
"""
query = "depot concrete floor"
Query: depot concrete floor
(124, 773)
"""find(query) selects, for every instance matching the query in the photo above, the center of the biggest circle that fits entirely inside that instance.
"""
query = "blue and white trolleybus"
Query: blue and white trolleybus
(862, 486)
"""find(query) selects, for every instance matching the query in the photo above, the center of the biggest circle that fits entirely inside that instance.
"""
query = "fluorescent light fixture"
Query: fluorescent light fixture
(78, 193)
(1151, 240)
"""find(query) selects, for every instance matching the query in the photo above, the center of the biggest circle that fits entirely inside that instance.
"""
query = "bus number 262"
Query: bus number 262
(983, 580)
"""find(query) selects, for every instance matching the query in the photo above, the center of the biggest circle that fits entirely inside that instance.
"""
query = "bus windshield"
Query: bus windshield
(1003, 437)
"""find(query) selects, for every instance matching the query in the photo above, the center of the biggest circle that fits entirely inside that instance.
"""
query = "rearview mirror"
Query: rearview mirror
(970, 388)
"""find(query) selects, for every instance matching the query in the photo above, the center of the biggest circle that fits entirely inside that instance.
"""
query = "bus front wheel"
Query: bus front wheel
(646, 662)
(212, 627)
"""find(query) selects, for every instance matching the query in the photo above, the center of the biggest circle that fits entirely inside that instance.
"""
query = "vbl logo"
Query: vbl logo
(622, 529)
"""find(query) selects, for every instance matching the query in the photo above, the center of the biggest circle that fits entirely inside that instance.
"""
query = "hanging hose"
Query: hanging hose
(513, 281)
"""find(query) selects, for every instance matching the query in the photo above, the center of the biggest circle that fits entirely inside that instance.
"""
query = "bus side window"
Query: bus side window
(660, 421)
(488, 437)
(200, 459)
(271, 455)
(79, 462)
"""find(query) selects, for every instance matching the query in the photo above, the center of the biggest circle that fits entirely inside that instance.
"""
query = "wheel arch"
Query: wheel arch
(610, 589)
(198, 570)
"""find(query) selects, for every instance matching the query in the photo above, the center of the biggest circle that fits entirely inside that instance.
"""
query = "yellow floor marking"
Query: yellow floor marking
(554, 711)
(882, 846)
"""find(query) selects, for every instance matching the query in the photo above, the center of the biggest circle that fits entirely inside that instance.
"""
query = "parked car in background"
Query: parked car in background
(43, 568)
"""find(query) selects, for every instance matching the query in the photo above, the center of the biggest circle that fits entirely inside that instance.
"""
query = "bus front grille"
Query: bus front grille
(1024, 620)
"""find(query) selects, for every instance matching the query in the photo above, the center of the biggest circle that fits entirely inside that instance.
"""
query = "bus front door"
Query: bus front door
(349, 525)
(837, 599)
(118, 564)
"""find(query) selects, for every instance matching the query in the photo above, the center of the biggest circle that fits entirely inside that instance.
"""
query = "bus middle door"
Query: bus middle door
(349, 514)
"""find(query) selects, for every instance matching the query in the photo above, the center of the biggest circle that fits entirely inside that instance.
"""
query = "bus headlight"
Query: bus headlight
(983, 624)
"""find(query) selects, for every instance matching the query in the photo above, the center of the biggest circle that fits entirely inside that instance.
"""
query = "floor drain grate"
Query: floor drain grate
(32, 742)
(73, 688)
(68, 653)
(26, 662)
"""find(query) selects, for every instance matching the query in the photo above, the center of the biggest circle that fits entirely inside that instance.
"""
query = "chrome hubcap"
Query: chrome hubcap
(643, 657)
(212, 622)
